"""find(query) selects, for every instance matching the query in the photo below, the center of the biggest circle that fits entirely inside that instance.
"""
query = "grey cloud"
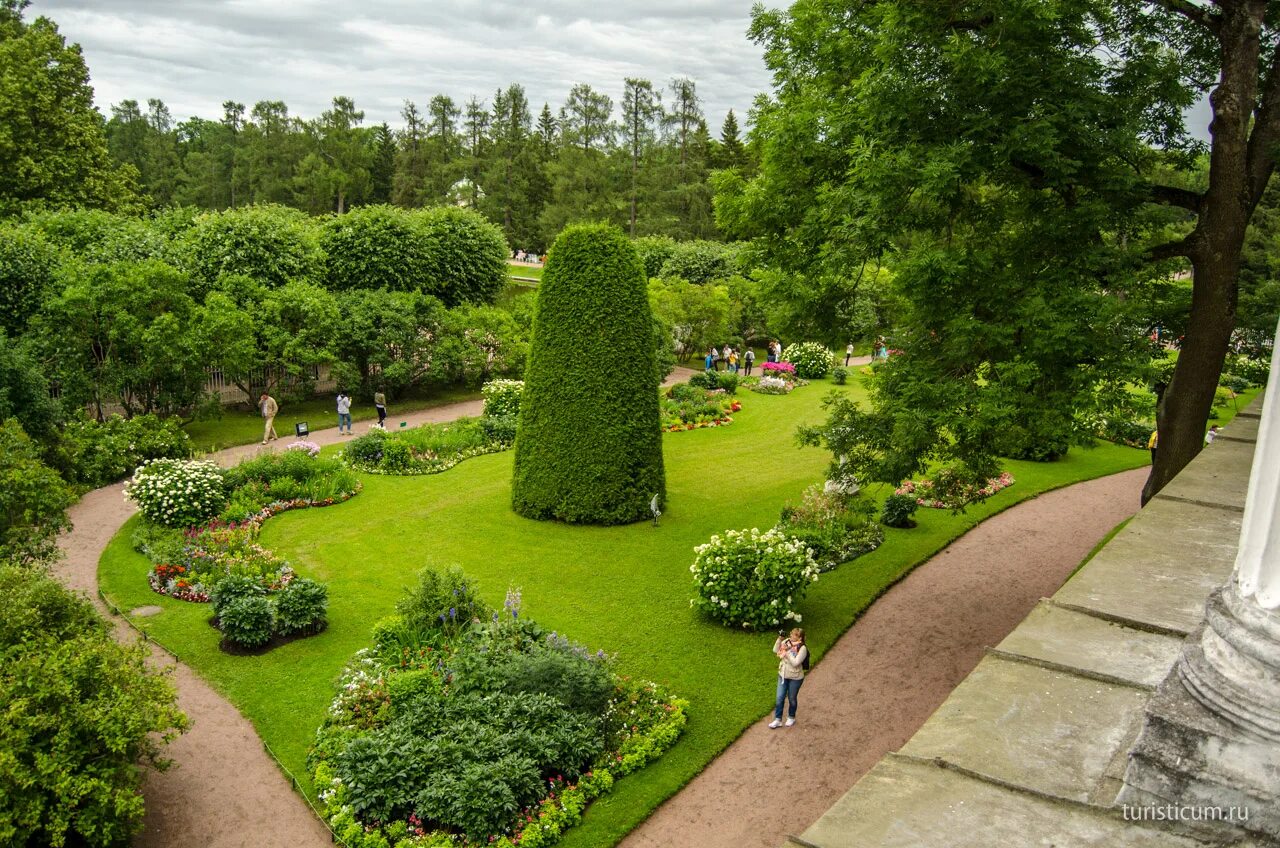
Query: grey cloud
(194, 55)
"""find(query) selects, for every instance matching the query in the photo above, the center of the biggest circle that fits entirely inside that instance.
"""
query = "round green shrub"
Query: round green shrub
(375, 247)
(588, 447)
(248, 621)
(271, 244)
(464, 253)
(745, 578)
(839, 375)
(301, 605)
(897, 511)
(233, 587)
(811, 359)
(177, 493)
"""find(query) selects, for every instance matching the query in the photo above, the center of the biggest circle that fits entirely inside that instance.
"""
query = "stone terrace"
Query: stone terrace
(1030, 749)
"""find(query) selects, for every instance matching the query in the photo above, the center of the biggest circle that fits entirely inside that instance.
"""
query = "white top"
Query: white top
(344, 405)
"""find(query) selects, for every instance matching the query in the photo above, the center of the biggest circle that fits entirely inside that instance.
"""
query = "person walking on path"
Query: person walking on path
(380, 404)
(344, 413)
(733, 360)
(711, 359)
(269, 408)
(1153, 444)
(793, 661)
(848, 354)
(748, 359)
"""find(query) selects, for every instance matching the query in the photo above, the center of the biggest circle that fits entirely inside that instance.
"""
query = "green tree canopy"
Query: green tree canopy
(1000, 159)
(376, 247)
(589, 444)
(465, 254)
(29, 266)
(52, 148)
(271, 244)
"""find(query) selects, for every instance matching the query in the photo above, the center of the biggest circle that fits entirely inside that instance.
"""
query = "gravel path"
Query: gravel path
(874, 688)
(890, 671)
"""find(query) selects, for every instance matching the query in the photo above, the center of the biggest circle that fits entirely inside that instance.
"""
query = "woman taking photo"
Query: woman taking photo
(793, 659)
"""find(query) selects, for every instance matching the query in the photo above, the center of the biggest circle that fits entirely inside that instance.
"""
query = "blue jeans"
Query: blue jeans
(344, 420)
(787, 690)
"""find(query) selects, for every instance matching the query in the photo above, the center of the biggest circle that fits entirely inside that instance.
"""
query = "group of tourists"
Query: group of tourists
(528, 256)
(739, 361)
(269, 408)
(730, 360)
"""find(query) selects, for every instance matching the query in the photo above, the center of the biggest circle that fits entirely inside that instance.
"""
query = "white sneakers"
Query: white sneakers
(790, 722)
(777, 722)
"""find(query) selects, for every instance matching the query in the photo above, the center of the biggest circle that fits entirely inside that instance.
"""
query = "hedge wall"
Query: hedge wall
(589, 445)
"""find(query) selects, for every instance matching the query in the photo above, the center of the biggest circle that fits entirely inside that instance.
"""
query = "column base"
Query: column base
(1210, 744)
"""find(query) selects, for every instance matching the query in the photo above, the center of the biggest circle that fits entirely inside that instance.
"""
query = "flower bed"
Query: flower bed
(189, 563)
(431, 448)
(948, 493)
(689, 407)
(549, 727)
(785, 369)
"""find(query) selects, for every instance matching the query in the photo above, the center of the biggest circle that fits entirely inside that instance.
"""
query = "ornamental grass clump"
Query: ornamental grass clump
(177, 492)
(750, 579)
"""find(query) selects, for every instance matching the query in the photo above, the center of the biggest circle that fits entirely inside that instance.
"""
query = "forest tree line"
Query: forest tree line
(643, 165)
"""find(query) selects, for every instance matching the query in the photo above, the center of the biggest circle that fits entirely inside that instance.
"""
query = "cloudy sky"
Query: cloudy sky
(194, 54)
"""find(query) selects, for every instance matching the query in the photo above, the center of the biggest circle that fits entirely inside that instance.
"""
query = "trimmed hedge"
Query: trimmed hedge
(589, 447)
(464, 253)
(375, 247)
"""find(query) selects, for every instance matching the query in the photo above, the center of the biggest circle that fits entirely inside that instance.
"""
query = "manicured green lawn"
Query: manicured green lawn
(239, 426)
(623, 589)
(516, 270)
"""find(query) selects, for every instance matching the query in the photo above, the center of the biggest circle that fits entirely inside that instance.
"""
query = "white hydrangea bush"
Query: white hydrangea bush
(177, 492)
(812, 359)
(752, 579)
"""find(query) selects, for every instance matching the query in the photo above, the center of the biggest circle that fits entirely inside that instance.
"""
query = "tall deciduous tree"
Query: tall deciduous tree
(1002, 158)
(52, 147)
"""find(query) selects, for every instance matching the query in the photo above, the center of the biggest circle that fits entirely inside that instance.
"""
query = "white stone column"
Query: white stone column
(1257, 572)
(1211, 735)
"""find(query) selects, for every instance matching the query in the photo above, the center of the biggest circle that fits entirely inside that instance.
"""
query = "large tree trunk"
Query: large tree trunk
(1239, 168)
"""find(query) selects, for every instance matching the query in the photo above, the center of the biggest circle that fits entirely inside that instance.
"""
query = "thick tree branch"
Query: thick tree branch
(972, 24)
(1169, 250)
(1180, 197)
(1199, 15)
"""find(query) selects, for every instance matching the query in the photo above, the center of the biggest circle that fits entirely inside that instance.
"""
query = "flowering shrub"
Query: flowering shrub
(428, 449)
(812, 360)
(177, 492)
(94, 454)
(686, 407)
(750, 579)
(772, 385)
(950, 489)
(311, 448)
(538, 745)
(835, 527)
(778, 368)
(502, 398)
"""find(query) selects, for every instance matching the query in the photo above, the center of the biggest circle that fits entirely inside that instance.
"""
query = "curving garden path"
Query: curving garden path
(876, 686)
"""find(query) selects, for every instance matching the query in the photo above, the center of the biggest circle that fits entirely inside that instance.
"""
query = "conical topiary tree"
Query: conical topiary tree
(589, 443)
